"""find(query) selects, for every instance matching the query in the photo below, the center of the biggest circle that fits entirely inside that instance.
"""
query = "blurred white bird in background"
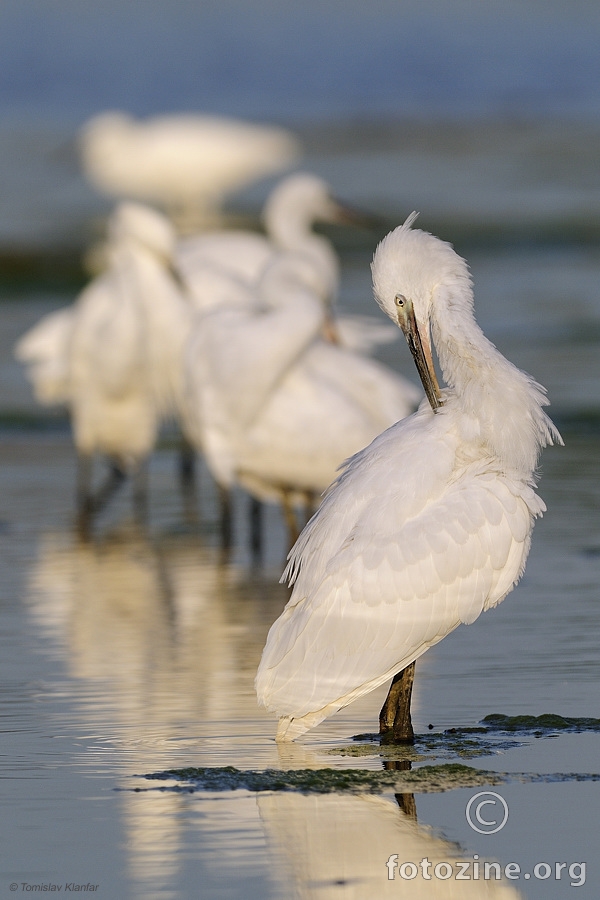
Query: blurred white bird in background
(425, 528)
(114, 356)
(273, 406)
(187, 163)
(129, 330)
(292, 209)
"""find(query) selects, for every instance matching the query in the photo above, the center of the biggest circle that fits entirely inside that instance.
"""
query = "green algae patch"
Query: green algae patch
(464, 743)
(548, 722)
(324, 781)
(487, 738)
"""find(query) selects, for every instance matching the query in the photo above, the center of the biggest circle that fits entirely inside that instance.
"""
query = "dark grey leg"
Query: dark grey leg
(89, 504)
(256, 543)
(187, 465)
(289, 514)
(140, 492)
(115, 478)
(394, 719)
(84, 498)
(225, 517)
(312, 504)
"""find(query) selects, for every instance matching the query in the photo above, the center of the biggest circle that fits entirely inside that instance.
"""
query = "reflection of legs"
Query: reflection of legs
(408, 805)
(395, 712)
(406, 802)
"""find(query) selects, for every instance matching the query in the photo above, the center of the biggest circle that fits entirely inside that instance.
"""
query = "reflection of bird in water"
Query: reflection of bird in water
(162, 643)
(425, 528)
(331, 845)
(292, 209)
(273, 406)
(187, 163)
(160, 627)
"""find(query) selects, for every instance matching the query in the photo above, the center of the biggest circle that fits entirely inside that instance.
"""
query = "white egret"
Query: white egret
(207, 261)
(273, 406)
(125, 349)
(292, 209)
(186, 162)
(114, 357)
(425, 528)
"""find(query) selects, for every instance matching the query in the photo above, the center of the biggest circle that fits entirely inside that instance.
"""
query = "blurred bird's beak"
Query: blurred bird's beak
(420, 348)
(342, 214)
(330, 331)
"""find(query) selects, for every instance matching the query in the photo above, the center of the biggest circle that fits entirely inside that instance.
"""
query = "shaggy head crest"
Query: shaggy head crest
(413, 263)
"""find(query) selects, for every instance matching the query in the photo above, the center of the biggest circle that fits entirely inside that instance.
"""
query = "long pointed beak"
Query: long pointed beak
(420, 349)
(343, 214)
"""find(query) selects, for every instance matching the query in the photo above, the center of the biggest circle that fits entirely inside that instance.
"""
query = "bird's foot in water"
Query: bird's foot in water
(395, 725)
(397, 735)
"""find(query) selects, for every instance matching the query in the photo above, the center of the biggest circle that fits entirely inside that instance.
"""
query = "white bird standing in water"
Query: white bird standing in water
(427, 526)
(125, 348)
(273, 406)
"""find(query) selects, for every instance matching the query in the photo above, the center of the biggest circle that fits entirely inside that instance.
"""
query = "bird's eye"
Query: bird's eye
(399, 300)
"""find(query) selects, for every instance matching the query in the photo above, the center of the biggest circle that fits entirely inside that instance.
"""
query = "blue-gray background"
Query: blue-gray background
(65, 59)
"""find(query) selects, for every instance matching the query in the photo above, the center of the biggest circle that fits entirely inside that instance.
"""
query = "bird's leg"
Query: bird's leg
(225, 517)
(187, 465)
(187, 479)
(84, 494)
(312, 505)
(289, 514)
(114, 480)
(394, 719)
(140, 492)
(256, 544)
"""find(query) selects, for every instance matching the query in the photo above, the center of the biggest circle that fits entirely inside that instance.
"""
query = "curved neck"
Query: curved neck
(506, 402)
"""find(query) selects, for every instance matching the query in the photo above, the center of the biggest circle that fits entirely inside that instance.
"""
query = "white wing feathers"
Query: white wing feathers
(374, 591)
